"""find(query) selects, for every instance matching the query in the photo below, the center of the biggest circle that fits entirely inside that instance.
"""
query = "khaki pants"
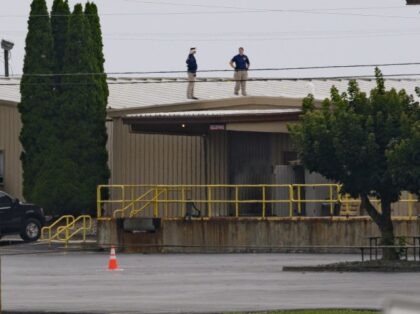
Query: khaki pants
(191, 83)
(240, 78)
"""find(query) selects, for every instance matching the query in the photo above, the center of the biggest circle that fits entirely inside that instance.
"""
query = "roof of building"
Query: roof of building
(133, 93)
(212, 113)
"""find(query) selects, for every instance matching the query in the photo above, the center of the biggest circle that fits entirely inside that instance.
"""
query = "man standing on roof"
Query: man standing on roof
(240, 63)
(192, 73)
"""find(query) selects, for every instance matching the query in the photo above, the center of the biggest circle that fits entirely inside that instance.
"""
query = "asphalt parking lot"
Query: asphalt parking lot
(180, 283)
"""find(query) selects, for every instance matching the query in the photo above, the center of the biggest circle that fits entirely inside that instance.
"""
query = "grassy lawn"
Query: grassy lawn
(318, 312)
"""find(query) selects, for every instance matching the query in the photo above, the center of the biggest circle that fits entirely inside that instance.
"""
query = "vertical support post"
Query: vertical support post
(263, 202)
(299, 200)
(84, 229)
(291, 200)
(209, 201)
(6, 63)
(123, 200)
(331, 201)
(98, 202)
(410, 205)
(166, 202)
(236, 201)
(67, 236)
(133, 199)
(183, 204)
(155, 204)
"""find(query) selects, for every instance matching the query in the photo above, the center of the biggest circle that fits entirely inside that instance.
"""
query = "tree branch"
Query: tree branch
(373, 213)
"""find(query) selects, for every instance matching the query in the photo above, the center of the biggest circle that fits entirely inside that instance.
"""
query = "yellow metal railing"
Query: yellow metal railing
(66, 233)
(131, 204)
(171, 200)
(64, 229)
(333, 192)
(155, 200)
(50, 233)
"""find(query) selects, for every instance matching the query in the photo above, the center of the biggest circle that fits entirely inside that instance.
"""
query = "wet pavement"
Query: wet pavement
(183, 283)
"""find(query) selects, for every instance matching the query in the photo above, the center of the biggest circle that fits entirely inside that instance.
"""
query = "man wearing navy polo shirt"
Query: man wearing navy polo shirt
(241, 64)
(192, 73)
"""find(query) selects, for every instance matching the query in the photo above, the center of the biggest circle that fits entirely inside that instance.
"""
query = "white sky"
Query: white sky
(155, 35)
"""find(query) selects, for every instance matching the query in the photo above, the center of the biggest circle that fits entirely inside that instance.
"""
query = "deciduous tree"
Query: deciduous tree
(348, 139)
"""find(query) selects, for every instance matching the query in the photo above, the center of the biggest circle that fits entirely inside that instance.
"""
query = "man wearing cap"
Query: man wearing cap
(192, 73)
(240, 63)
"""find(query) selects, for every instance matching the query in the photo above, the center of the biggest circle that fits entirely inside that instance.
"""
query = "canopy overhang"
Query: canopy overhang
(204, 122)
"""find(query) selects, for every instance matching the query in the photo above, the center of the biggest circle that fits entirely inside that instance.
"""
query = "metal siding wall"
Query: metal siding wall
(218, 169)
(156, 159)
(10, 126)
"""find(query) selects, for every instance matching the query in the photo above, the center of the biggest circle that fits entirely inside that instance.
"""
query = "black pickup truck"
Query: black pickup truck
(20, 218)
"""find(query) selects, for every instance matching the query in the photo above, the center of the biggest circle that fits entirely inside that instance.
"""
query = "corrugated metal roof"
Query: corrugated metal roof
(212, 113)
(126, 93)
(9, 92)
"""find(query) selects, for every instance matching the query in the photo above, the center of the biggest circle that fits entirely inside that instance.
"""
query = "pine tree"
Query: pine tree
(101, 91)
(59, 23)
(36, 106)
(83, 145)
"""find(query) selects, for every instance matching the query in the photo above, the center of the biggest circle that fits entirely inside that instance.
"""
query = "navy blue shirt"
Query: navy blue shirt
(241, 62)
(192, 63)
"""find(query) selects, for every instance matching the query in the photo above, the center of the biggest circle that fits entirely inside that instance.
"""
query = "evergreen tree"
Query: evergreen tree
(101, 92)
(91, 13)
(36, 106)
(59, 23)
(82, 146)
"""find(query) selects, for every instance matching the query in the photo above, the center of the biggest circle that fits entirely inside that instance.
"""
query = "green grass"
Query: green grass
(317, 312)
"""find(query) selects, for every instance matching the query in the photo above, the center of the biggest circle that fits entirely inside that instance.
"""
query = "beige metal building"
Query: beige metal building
(10, 148)
(156, 136)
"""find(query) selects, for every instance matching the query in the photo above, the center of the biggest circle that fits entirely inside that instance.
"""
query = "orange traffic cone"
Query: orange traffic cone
(112, 264)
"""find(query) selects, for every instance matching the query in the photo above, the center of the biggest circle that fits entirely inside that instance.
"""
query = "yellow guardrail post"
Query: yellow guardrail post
(84, 229)
(263, 202)
(331, 201)
(291, 200)
(123, 199)
(67, 236)
(183, 204)
(299, 200)
(236, 201)
(209, 201)
(155, 204)
(98, 201)
(133, 199)
(166, 208)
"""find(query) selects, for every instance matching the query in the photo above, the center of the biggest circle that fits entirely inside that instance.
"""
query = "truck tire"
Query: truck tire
(31, 230)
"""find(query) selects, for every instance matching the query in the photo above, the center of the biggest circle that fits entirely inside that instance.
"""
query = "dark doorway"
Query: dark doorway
(250, 163)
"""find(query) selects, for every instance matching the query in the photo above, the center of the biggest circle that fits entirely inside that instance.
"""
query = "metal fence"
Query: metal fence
(173, 201)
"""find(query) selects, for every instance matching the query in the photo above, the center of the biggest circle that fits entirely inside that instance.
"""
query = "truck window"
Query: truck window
(5, 200)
